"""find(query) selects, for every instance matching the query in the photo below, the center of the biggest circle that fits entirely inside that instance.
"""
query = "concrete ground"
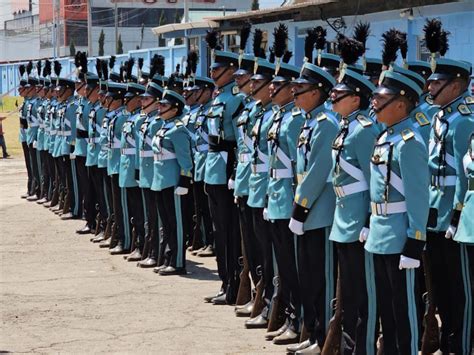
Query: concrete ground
(62, 294)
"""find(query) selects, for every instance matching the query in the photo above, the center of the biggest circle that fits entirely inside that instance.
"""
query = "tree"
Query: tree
(72, 49)
(101, 43)
(119, 45)
(177, 19)
(142, 32)
(255, 5)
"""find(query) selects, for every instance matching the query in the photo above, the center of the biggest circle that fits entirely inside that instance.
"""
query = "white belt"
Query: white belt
(245, 157)
(53, 132)
(281, 173)
(449, 180)
(34, 124)
(164, 155)
(66, 133)
(128, 151)
(146, 153)
(351, 189)
(93, 140)
(259, 168)
(202, 147)
(380, 209)
(42, 125)
(115, 145)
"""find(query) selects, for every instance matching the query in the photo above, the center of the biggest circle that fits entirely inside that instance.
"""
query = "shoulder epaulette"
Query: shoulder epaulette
(295, 111)
(469, 100)
(275, 108)
(364, 121)
(407, 134)
(178, 123)
(235, 90)
(321, 116)
(421, 118)
(464, 109)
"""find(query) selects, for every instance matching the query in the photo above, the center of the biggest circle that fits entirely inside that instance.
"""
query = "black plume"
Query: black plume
(140, 63)
(22, 70)
(153, 65)
(391, 44)
(130, 64)
(350, 49)
(83, 62)
(287, 56)
(258, 51)
(362, 32)
(433, 31)
(98, 67)
(38, 67)
(29, 67)
(77, 60)
(212, 39)
(122, 71)
(444, 43)
(47, 68)
(160, 65)
(112, 62)
(403, 43)
(280, 35)
(192, 63)
(171, 80)
(105, 70)
(309, 42)
(178, 68)
(271, 58)
(320, 37)
(57, 68)
(244, 35)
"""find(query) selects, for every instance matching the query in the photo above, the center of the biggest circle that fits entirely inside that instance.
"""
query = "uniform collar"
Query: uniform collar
(397, 128)
(352, 116)
(313, 113)
(287, 107)
(226, 88)
(452, 106)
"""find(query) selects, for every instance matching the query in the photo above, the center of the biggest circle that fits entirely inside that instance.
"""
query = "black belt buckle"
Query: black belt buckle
(470, 184)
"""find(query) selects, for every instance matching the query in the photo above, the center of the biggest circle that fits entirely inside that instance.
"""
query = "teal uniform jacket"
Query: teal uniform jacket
(172, 155)
(352, 150)
(427, 106)
(465, 232)
(114, 134)
(41, 115)
(449, 139)
(68, 138)
(399, 207)
(282, 138)
(103, 158)
(96, 116)
(245, 123)
(58, 129)
(258, 180)
(48, 124)
(137, 134)
(128, 151)
(53, 133)
(32, 118)
(149, 127)
(221, 124)
(189, 117)
(82, 129)
(314, 166)
(201, 142)
(23, 121)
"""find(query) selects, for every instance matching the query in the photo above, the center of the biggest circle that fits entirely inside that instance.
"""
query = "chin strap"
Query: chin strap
(279, 89)
(433, 97)
(296, 94)
(243, 85)
(337, 99)
(386, 104)
(254, 92)
(223, 72)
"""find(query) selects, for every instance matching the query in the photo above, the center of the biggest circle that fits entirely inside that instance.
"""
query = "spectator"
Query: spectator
(2, 139)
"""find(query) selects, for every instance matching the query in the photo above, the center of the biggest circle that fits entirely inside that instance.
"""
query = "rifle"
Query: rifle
(197, 237)
(277, 310)
(146, 245)
(245, 286)
(430, 339)
(259, 302)
(334, 338)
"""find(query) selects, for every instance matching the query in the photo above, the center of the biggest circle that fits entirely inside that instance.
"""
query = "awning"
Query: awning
(174, 30)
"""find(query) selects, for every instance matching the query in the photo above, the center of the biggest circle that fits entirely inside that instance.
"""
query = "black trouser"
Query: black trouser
(284, 245)
(135, 204)
(172, 243)
(52, 175)
(107, 183)
(26, 154)
(262, 230)
(95, 195)
(59, 187)
(151, 225)
(45, 174)
(252, 247)
(351, 260)
(203, 216)
(67, 182)
(36, 184)
(188, 214)
(227, 241)
(451, 284)
(117, 198)
(84, 183)
(396, 302)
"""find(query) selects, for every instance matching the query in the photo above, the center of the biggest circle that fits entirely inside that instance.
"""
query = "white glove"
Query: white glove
(408, 263)
(180, 191)
(450, 232)
(231, 184)
(296, 226)
(265, 214)
(35, 144)
(364, 234)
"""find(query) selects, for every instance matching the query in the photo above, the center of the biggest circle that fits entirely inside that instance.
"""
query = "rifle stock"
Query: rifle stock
(259, 302)
(430, 339)
(277, 311)
(334, 338)
(245, 287)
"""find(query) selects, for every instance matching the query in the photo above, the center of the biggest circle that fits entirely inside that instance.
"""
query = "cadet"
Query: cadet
(399, 205)
(220, 160)
(202, 90)
(172, 174)
(352, 150)
(314, 201)
(258, 184)
(282, 139)
(426, 103)
(452, 126)
(129, 169)
(151, 124)
(42, 113)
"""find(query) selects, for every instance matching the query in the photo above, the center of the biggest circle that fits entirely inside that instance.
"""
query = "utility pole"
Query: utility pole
(186, 20)
(116, 27)
(89, 28)
(58, 28)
